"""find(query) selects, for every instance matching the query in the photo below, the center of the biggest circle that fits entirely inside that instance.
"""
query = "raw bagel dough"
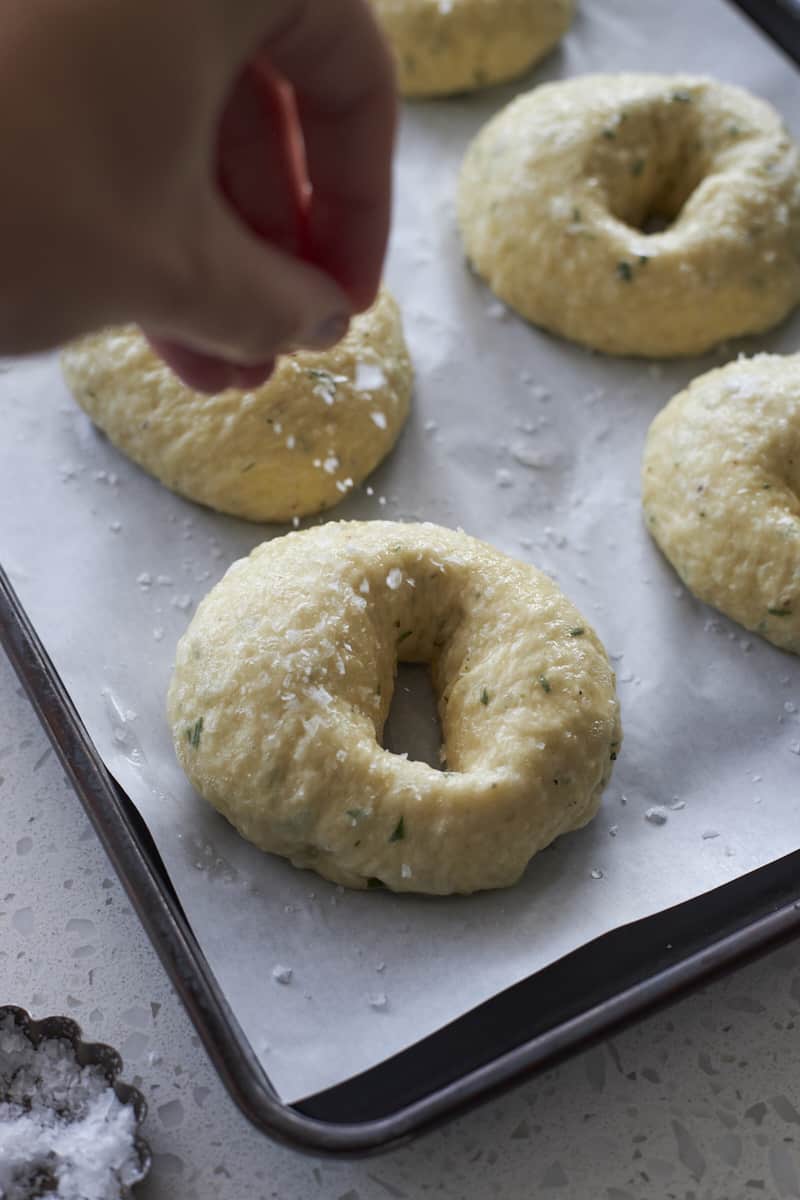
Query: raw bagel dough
(557, 190)
(284, 679)
(295, 446)
(721, 492)
(447, 46)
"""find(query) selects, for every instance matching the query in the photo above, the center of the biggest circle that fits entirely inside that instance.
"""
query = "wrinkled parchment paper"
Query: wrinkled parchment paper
(523, 440)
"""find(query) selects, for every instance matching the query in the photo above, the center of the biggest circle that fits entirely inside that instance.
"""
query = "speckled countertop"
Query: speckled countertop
(701, 1102)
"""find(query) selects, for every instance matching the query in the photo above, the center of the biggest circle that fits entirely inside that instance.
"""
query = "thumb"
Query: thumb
(204, 373)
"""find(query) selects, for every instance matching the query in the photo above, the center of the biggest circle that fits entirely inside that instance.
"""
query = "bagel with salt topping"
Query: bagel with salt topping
(446, 46)
(284, 679)
(295, 446)
(721, 492)
(647, 215)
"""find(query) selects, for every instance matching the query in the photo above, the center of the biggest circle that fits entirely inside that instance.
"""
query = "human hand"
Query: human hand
(155, 175)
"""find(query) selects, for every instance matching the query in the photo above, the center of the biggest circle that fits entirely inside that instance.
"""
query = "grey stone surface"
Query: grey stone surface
(701, 1102)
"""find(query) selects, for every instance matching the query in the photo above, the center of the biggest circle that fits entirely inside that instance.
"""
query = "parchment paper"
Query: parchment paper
(523, 440)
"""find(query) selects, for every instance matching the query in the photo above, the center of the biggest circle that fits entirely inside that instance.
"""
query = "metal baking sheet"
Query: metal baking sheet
(520, 439)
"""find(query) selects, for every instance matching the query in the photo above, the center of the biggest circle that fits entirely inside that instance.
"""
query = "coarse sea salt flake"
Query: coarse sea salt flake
(497, 311)
(369, 377)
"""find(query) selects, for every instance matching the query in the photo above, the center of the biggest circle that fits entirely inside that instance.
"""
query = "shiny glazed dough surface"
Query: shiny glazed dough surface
(284, 679)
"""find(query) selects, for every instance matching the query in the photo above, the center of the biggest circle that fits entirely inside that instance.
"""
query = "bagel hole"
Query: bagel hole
(412, 726)
(655, 223)
(659, 206)
(650, 163)
(661, 193)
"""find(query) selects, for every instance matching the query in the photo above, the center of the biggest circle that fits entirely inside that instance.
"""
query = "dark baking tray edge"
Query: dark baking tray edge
(779, 20)
(562, 1009)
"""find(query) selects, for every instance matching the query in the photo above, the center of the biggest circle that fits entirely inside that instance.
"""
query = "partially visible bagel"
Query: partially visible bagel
(721, 492)
(295, 446)
(443, 47)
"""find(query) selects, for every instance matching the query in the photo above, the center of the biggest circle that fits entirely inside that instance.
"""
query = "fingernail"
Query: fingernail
(328, 332)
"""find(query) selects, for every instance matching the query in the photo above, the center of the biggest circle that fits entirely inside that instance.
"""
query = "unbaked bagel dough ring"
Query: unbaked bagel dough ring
(564, 196)
(284, 679)
(295, 446)
(721, 492)
(442, 47)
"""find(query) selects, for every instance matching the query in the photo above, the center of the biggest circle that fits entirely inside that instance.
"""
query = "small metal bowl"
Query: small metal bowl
(89, 1054)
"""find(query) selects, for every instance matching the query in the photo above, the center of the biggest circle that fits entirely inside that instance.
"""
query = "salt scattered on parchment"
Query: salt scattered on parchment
(656, 815)
(63, 1132)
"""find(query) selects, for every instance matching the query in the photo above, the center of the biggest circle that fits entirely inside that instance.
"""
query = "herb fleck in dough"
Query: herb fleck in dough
(721, 492)
(287, 670)
(448, 46)
(293, 447)
(647, 215)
